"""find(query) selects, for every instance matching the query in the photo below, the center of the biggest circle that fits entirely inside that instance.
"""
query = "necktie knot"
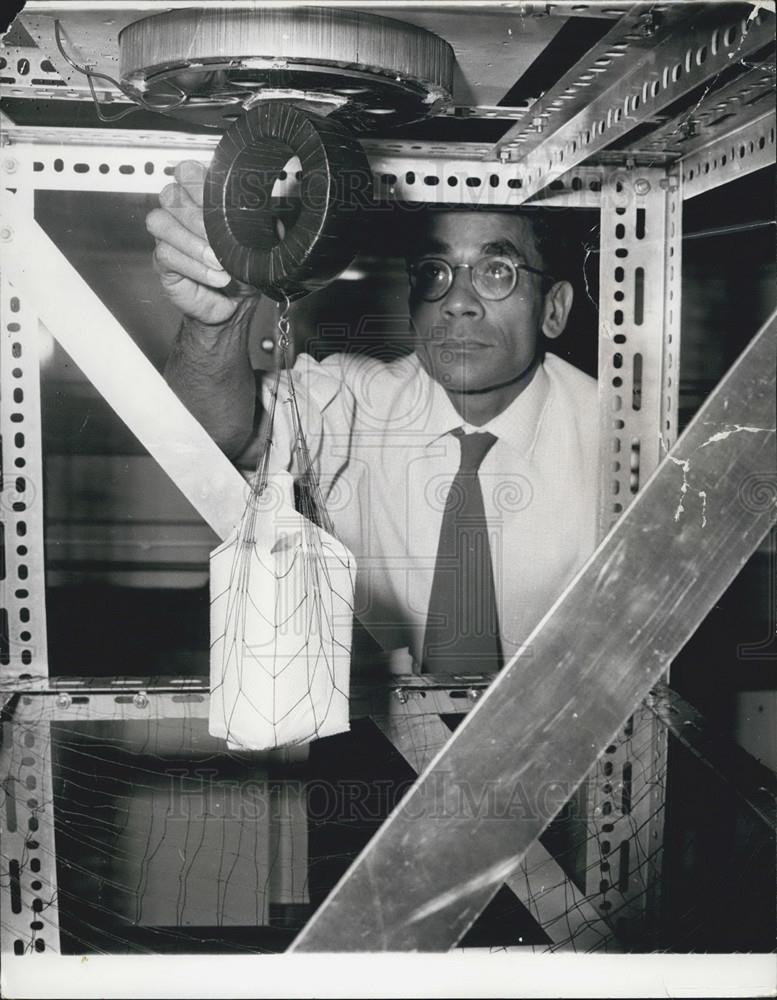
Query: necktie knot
(474, 448)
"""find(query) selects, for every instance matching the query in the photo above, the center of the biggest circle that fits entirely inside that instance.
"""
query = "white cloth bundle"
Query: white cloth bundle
(281, 616)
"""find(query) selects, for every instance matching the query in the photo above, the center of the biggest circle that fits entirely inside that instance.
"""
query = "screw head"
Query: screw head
(140, 700)
(10, 165)
(6, 234)
(649, 24)
(64, 700)
(641, 185)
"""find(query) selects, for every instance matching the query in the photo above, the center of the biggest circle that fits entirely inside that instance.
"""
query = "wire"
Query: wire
(137, 100)
(724, 230)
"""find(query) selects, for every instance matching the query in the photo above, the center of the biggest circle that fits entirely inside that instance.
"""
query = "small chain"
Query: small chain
(284, 325)
(262, 467)
(313, 507)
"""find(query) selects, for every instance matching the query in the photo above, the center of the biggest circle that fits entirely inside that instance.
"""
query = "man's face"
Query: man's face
(466, 342)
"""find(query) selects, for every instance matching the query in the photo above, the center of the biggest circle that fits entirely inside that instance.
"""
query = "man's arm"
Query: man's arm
(209, 367)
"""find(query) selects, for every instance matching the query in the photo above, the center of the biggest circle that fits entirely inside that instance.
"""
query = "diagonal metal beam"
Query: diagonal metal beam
(452, 841)
(566, 915)
(626, 81)
(602, 67)
(753, 783)
(127, 380)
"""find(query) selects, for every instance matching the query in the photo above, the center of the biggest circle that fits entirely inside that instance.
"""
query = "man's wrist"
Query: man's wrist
(207, 335)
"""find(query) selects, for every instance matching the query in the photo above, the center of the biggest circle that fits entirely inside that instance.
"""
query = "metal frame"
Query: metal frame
(564, 131)
(638, 69)
(565, 913)
(407, 711)
(389, 902)
(146, 167)
(96, 39)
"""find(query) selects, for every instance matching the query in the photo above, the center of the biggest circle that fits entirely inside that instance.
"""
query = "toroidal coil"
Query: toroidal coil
(241, 215)
(368, 71)
(295, 81)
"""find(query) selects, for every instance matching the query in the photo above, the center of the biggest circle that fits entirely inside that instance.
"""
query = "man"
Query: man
(462, 477)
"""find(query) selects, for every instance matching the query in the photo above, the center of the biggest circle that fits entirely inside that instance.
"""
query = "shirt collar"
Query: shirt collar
(517, 426)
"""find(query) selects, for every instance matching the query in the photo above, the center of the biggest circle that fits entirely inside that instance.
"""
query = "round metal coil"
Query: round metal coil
(322, 226)
(365, 70)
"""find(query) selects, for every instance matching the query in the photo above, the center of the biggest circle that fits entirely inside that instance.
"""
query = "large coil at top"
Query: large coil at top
(366, 71)
(288, 83)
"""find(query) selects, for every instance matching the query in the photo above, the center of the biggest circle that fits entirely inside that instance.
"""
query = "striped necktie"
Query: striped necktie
(462, 625)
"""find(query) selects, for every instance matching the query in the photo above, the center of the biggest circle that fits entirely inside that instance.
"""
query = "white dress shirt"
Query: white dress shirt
(380, 436)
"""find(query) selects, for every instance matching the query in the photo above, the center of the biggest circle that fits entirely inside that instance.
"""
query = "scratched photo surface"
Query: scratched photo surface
(493, 506)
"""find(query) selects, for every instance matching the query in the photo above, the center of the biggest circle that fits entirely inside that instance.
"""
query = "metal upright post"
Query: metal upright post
(639, 327)
(23, 654)
(28, 886)
(29, 907)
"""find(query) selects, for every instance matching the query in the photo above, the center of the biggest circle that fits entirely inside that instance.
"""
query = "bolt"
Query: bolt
(641, 186)
(649, 24)
(473, 694)
(401, 696)
(10, 165)
(6, 234)
(64, 700)
(140, 700)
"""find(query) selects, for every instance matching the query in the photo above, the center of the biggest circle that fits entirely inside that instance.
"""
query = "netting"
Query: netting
(150, 836)
(282, 591)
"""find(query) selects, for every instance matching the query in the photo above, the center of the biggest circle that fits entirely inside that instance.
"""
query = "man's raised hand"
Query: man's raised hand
(187, 267)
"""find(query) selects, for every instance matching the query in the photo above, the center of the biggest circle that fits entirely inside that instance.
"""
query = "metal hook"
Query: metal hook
(284, 326)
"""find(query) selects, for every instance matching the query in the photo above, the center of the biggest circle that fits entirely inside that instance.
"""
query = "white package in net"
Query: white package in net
(281, 592)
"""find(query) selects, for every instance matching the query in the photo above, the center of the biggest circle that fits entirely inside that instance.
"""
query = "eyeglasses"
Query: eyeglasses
(493, 277)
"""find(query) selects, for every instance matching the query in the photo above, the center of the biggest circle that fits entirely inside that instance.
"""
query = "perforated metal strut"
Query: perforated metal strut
(322, 226)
